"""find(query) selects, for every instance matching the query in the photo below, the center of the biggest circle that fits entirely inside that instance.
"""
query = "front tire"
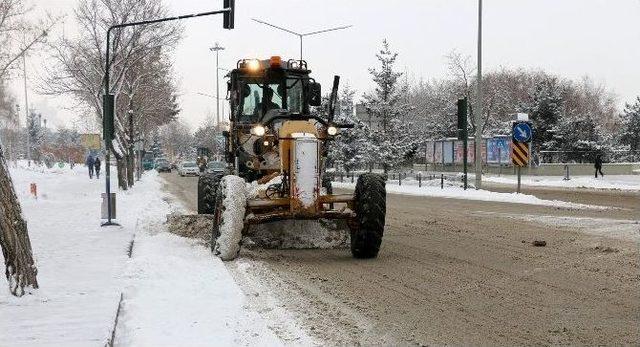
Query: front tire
(229, 217)
(370, 202)
(207, 187)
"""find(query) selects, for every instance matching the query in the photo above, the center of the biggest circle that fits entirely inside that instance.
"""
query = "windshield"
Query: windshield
(256, 96)
(259, 98)
(189, 164)
(217, 165)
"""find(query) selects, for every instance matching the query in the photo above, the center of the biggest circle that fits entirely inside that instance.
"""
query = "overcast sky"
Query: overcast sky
(572, 38)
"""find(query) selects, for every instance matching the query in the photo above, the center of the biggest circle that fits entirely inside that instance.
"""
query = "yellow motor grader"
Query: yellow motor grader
(275, 149)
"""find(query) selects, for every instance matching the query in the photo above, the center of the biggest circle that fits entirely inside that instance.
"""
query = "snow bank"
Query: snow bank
(473, 194)
(619, 182)
(228, 243)
(175, 292)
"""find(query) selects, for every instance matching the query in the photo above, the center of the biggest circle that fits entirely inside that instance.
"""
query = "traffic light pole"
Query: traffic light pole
(108, 99)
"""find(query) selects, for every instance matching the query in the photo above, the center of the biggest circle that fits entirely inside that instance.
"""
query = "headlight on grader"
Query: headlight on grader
(258, 130)
(331, 130)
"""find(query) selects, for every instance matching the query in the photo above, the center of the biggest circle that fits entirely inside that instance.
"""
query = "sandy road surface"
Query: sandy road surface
(461, 272)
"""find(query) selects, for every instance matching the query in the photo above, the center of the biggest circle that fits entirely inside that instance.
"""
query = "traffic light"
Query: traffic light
(462, 118)
(107, 118)
(228, 17)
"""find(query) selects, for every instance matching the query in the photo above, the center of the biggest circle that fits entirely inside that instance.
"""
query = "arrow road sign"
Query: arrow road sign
(522, 132)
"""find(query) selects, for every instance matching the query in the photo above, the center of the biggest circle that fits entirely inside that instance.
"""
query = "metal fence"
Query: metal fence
(610, 156)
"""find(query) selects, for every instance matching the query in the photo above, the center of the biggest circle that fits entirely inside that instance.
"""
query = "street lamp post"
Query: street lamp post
(108, 99)
(217, 48)
(301, 35)
(478, 115)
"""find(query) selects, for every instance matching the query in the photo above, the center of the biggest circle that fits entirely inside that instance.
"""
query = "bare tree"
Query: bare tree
(78, 64)
(20, 268)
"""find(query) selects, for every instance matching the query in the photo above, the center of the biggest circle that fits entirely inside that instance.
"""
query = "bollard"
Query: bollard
(441, 181)
(566, 173)
(352, 174)
(419, 179)
(33, 188)
(341, 176)
(399, 179)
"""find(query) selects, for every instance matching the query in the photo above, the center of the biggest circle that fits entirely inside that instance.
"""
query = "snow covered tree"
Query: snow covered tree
(387, 105)
(545, 112)
(351, 149)
(631, 125)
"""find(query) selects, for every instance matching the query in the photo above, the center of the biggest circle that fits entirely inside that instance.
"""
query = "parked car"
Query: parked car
(216, 167)
(163, 166)
(188, 168)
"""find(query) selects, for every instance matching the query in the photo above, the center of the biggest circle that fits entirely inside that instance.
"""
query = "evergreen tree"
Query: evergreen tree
(545, 112)
(388, 106)
(631, 125)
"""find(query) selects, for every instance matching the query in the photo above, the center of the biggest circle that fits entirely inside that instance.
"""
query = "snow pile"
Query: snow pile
(299, 234)
(234, 203)
(619, 182)
(179, 294)
(473, 194)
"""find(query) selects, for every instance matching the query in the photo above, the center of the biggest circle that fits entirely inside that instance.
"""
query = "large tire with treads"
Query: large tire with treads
(370, 202)
(207, 187)
(229, 216)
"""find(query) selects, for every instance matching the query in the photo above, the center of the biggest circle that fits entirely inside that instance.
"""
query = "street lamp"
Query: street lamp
(108, 99)
(301, 35)
(217, 48)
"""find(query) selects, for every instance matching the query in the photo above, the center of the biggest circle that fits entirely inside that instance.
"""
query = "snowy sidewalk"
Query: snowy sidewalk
(79, 263)
(175, 292)
(619, 182)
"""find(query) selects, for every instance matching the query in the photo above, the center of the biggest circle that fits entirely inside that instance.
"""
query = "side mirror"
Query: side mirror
(315, 94)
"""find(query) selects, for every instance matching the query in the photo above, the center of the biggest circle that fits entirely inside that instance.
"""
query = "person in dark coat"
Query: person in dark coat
(598, 166)
(96, 164)
(90, 162)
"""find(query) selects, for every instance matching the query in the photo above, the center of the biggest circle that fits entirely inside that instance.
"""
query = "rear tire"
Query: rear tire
(229, 217)
(207, 187)
(370, 200)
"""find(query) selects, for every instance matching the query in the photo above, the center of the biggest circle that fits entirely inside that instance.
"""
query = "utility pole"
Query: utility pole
(26, 109)
(478, 115)
(217, 48)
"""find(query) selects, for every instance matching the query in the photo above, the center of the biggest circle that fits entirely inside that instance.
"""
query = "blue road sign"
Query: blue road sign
(522, 132)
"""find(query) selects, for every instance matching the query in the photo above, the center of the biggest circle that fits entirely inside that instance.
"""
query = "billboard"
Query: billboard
(459, 152)
(498, 150)
(437, 152)
(429, 152)
(447, 151)
(91, 141)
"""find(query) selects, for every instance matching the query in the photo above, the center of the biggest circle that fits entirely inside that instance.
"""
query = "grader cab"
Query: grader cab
(275, 150)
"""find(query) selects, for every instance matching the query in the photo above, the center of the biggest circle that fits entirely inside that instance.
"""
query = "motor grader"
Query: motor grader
(277, 141)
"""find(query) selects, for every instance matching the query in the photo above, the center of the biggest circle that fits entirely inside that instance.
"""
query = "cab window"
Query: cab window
(255, 95)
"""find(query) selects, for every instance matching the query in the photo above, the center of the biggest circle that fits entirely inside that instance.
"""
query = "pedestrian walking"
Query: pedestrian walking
(598, 165)
(96, 164)
(90, 162)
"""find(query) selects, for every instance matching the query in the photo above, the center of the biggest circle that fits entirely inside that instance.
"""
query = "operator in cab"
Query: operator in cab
(267, 101)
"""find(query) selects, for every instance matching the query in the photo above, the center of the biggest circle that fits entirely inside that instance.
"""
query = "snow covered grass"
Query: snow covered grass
(175, 292)
(455, 192)
(619, 182)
